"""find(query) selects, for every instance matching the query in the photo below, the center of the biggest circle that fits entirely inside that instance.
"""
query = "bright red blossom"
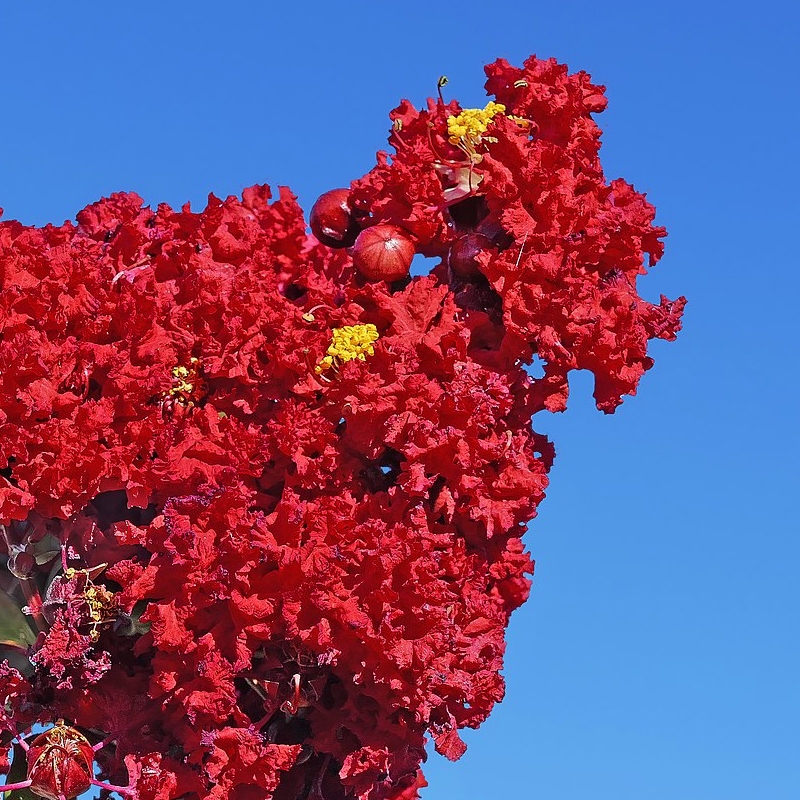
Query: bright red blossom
(309, 482)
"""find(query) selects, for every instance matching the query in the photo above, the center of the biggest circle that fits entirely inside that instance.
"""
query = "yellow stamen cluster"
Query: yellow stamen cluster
(189, 386)
(349, 343)
(102, 606)
(466, 128)
(102, 603)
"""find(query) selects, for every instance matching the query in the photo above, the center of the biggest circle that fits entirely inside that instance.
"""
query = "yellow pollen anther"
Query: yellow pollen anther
(467, 128)
(102, 604)
(349, 343)
(188, 385)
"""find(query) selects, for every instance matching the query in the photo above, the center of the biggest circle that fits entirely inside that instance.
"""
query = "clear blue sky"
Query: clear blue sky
(658, 657)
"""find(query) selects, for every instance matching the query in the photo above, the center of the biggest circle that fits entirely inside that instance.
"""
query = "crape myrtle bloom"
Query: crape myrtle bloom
(567, 246)
(262, 497)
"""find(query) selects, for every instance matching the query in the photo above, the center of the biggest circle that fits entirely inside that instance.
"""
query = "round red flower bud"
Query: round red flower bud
(60, 763)
(332, 220)
(382, 253)
(461, 257)
(21, 564)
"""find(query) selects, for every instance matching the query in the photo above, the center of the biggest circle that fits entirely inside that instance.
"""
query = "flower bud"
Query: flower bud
(382, 253)
(60, 763)
(461, 257)
(332, 219)
(21, 564)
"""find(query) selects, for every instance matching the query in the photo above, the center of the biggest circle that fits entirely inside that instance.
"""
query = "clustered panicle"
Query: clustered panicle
(289, 495)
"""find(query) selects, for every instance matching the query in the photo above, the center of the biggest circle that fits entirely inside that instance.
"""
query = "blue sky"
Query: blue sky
(658, 657)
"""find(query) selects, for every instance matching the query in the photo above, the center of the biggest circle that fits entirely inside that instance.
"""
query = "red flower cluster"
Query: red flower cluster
(289, 493)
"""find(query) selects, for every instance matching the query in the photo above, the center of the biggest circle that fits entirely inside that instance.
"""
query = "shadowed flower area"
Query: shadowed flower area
(262, 494)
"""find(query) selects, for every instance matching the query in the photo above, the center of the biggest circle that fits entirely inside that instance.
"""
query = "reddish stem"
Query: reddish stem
(111, 787)
(11, 787)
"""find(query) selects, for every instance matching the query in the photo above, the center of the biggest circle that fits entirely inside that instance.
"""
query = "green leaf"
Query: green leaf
(14, 627)
(46, 549)
(17, 659)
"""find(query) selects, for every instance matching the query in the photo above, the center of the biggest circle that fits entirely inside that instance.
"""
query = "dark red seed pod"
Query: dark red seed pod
(383, 253)
(462, 255)
(332, 220)
(60, 763)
